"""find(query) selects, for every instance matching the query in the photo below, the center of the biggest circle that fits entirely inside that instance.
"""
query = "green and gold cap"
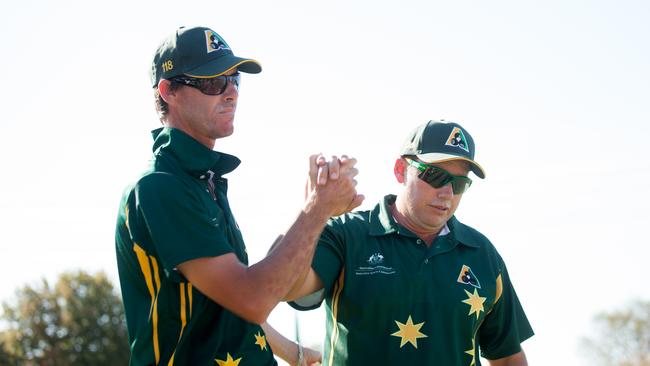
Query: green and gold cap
(440, 141)
(197, 52)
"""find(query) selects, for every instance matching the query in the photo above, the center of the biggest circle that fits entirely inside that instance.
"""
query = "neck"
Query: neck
(403, 219)
(177, 124)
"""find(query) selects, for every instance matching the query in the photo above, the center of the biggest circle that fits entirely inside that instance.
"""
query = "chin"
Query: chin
(223, 134)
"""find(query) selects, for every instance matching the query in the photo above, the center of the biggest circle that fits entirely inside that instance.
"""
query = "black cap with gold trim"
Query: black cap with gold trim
(439, 141)
(197, 52)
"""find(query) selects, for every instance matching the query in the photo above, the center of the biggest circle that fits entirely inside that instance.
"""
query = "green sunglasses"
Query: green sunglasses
(437, 177)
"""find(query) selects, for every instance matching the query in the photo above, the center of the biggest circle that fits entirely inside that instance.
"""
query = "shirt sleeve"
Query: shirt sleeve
(506, 326)
(327, 263)
(181, 228)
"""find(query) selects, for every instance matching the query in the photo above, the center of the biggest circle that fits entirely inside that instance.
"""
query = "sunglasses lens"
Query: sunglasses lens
(435, 177)
(235, 79)
(460, 185)
(213, 86)
(217, 85)
(210, 86)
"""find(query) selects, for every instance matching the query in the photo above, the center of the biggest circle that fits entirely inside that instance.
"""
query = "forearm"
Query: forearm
(305, 284)
(271, 279)
(296, 290)
(281, 346)
(252, 292)
(300, 278)
(518, 359)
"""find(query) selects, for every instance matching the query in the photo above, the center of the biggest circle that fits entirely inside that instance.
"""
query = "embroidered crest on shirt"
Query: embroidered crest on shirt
(375, 266)
(467, 277)
(375, 259)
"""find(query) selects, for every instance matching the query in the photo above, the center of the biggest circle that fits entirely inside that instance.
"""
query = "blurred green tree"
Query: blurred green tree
(622, 337)
(7, 358)
(79, 321)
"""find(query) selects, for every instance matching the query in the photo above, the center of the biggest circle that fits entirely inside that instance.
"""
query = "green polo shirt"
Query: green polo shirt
(169, 216)
(391, 300)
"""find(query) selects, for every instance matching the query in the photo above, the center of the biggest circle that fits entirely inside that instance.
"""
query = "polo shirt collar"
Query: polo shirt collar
(462, 233)
(381, 219)
(192, 156)
(382, 223)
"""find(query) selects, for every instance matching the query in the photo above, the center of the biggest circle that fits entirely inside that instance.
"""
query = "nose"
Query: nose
(231, 92)
(445, 191)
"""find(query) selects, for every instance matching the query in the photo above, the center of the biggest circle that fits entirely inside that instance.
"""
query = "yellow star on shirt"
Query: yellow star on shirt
(229, 361)
(409, 332)
(471, 353)
(260, 340)
(475, 303)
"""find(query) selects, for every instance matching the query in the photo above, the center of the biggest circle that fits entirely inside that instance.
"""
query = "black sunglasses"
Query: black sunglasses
(210, 86)
(437, 177)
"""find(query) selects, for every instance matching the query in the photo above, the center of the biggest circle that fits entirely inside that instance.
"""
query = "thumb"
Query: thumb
(356, 202)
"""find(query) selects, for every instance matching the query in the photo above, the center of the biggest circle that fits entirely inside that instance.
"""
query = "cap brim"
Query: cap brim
(432, 158)
(221, 65)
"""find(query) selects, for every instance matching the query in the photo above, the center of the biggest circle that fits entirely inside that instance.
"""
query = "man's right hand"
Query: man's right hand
(331, 186)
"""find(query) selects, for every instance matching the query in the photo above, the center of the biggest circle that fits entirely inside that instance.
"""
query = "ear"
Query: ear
(400, 170)
(165, 90)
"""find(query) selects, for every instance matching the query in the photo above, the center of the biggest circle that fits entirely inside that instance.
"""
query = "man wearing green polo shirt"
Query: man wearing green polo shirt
(408, 284)
(189, 295)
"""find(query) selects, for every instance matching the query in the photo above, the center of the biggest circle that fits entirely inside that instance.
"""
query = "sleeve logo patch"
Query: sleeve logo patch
(467, 277)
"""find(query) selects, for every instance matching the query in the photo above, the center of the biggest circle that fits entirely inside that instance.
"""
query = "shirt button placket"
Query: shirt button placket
(211, 186)
(420, 242)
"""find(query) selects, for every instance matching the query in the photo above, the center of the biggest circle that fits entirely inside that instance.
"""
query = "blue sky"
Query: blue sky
(555, 94)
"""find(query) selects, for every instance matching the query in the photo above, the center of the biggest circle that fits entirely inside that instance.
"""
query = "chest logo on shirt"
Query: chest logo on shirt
(376, 259)
(467, 277)
(375, 266)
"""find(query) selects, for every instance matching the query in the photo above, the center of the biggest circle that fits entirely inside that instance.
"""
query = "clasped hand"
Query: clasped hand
(332, 184)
